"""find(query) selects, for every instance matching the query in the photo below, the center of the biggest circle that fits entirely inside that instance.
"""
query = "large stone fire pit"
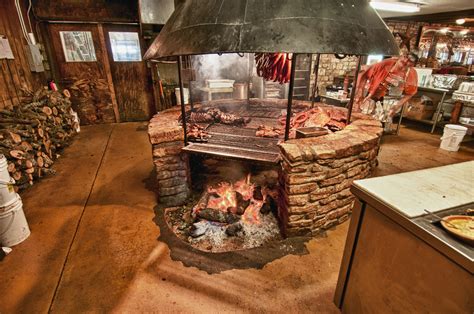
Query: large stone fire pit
(315, 175)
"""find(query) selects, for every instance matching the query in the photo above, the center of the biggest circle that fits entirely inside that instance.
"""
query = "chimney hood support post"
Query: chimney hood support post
(181, 96)
(315, 87)
(353, 91)
(290, 96)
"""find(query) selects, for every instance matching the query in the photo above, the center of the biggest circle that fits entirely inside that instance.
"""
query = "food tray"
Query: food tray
(460, 233)
(311, 132)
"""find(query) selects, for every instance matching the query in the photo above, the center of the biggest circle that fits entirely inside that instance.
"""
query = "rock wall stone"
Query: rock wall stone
(171, 165)
(317, 174)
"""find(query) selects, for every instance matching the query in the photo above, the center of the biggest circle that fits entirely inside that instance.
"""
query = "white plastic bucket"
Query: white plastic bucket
(177, 92)
(452, 137)
(13, 225)
(7, 193)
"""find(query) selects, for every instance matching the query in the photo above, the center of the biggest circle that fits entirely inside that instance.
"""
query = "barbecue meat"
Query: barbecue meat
(196, 132)
(338, 115)
(267, 131)
(210, 115)
(317, 118)
(201, 117)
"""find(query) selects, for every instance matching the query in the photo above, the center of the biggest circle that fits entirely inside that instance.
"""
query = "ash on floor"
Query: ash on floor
(219, 237)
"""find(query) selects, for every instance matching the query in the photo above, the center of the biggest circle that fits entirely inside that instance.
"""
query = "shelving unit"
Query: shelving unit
(435, 121)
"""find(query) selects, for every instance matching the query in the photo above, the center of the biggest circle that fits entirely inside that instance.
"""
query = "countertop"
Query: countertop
(434, 189)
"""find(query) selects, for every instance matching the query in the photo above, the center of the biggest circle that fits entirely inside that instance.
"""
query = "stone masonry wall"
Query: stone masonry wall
(318, 172)
(330, 66)
(315, 176)
(171, 165)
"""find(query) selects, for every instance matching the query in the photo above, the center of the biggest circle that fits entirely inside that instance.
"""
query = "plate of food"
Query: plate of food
(461, 226)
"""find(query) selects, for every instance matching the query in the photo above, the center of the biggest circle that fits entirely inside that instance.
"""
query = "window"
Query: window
(125, 46)
(78, 46)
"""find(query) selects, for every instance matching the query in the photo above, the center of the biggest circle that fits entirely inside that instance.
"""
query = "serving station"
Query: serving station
(398, 256)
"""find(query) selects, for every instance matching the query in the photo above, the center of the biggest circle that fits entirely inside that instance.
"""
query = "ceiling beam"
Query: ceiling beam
(444, 17)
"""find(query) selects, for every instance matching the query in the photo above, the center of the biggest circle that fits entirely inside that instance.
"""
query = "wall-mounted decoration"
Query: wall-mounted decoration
(78, 46)
(125, 46)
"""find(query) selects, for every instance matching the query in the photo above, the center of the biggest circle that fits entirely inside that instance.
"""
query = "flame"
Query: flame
(228, 199)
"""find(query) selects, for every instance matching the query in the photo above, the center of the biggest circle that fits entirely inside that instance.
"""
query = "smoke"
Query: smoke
(225, 66)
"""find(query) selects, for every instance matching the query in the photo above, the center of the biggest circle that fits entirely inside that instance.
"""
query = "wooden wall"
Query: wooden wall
(15, 74)
(87, 10)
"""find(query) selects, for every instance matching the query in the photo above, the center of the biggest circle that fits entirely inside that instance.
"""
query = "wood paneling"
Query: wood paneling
(87, 10)
(92, 97)
(132, 82)
(15, 74)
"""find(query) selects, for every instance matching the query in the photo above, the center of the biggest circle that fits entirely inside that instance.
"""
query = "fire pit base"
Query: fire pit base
(217, 237)
(315, 173)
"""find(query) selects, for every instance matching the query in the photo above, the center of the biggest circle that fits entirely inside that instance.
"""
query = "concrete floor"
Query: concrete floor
(95, 248)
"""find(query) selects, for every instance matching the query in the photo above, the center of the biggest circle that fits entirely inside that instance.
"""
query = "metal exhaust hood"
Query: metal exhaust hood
(297, 26)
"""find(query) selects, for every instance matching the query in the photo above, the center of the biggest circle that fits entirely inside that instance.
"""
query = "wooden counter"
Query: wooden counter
(393, 261)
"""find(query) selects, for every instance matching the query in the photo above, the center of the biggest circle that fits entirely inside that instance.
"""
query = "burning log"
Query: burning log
(233, 229)
(217, 215)
(269, 206)
(257, 193)
(242, 205)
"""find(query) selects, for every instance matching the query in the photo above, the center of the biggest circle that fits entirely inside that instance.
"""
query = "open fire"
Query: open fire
(231, 202)
(230, 215)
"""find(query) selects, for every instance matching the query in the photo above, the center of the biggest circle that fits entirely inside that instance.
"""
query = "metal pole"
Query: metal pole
(290, 97)
(353, 91)
(191, 101)
(181, 95)
(316, 72)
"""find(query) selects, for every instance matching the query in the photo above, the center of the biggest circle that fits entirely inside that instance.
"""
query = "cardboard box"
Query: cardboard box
(419, 110)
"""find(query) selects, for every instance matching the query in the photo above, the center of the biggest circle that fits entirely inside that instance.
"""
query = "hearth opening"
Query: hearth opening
(233, 205)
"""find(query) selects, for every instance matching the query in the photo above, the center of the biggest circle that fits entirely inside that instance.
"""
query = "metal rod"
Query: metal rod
(316, 72)
(191, 101)
(353, 91)
(250, 68)
(290, 97)
(181, 96)
(438, 112)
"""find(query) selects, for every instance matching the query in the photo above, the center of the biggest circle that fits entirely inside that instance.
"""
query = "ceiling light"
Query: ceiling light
(464, 32)
(444, 30)
(460, 21)
(395, 6)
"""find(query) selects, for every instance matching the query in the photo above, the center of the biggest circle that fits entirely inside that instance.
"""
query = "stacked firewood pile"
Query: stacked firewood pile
(92, 97)
(32, 134)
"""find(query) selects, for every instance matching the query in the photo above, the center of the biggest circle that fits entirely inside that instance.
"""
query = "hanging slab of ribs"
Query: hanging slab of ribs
(334, 120)
(216, 115)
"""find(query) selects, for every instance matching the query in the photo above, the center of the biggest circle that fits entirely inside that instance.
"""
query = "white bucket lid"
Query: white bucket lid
(456, 127)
